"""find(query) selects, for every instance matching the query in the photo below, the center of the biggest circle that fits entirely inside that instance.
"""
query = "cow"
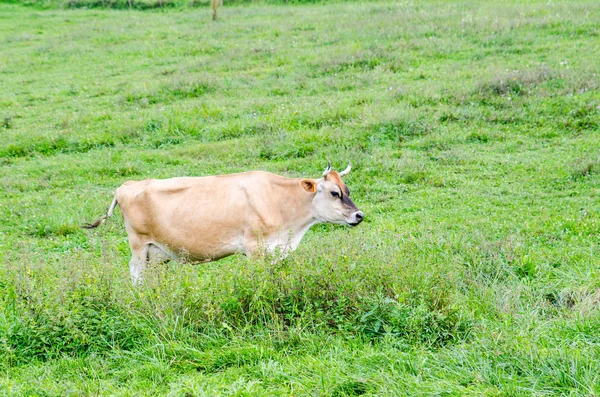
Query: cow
(203, 219)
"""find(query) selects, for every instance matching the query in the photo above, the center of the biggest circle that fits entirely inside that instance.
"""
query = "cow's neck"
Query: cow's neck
(300, 216)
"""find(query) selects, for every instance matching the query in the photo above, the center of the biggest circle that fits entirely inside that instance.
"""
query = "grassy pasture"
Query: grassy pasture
(474, 133)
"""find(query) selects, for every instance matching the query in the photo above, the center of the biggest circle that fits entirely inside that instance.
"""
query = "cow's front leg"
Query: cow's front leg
(272, 251)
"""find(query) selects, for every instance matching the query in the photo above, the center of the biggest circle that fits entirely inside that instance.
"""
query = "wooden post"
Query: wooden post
(214, 4)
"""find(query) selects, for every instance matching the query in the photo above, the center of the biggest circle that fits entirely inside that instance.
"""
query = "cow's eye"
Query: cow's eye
(335, 194)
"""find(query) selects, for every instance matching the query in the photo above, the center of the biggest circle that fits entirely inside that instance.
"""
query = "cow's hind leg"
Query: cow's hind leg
(151, 254)
(137, 265)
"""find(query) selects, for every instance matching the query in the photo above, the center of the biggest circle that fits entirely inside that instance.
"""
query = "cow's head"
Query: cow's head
(331, 202)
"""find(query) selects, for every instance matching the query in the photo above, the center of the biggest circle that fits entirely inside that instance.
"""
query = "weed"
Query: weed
(585, 168)
(7, 123)
(517, 82)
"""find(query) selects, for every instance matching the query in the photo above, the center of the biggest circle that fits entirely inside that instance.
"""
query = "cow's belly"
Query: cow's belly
(201, 245)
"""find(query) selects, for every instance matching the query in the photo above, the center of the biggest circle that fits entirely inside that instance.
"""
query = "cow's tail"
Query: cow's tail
(103, 217)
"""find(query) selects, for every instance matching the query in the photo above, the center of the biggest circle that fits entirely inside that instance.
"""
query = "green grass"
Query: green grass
(474, 131)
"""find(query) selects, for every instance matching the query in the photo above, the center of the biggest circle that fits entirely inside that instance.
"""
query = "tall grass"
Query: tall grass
(85, 306)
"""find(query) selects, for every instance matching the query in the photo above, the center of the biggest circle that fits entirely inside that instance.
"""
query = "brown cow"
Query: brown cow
(202, 219)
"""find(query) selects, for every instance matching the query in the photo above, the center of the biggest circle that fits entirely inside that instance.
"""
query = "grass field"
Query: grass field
(474, 130)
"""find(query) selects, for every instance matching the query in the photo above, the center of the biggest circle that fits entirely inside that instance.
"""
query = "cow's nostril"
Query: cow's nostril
(359, 216)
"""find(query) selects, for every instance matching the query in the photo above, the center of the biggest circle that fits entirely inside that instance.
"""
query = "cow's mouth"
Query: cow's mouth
(353, 224)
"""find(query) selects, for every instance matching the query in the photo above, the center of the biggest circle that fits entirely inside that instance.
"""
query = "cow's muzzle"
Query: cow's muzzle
(356, 218)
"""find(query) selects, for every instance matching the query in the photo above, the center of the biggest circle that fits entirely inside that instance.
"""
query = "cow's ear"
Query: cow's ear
(309, 185)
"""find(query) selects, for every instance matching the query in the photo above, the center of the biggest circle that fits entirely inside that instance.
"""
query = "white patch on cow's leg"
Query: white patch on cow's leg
(136, 268)
(274, 248)
(137, 265)
(282, 244)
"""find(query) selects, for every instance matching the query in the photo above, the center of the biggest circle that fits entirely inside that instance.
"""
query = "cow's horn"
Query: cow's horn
(327, 169)
(347, 170)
